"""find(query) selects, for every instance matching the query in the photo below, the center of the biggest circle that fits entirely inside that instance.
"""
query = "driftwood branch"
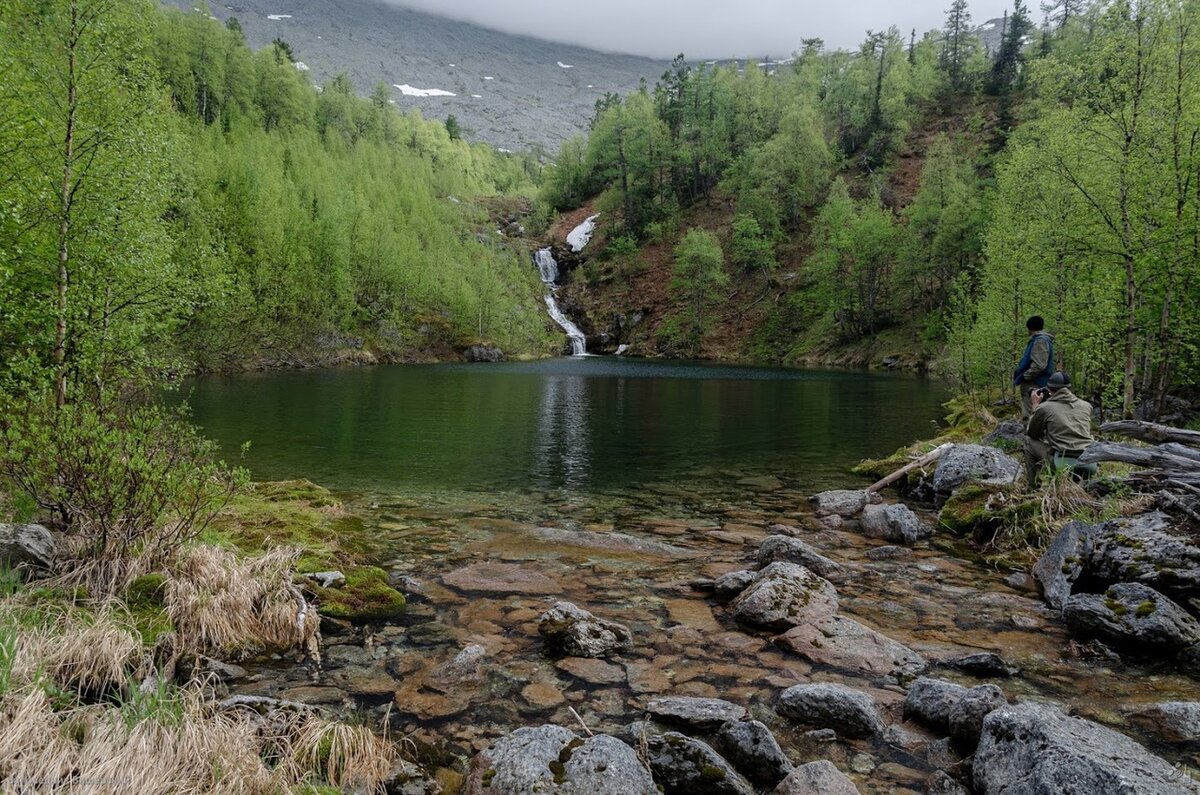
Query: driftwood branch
(1152, 432)
(925, 460)
(1152, 457)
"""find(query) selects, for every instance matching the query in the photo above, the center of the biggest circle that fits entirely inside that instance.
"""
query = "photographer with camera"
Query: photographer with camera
(1060, 428)
(1033, 371)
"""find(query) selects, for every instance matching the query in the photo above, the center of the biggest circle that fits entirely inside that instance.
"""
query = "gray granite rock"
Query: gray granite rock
(895, 523)
(930, 700)
(973, 463)
(967, 713)
(816, 778)
(1037, 749)
(849, 712)
(728, 586)
(575, 632)
(940, 783)
(1063, 562)
(981, 664)
(793, 550)
(685, 766)
(1142, 549)
(842, 502)
(551, 759)
(1133, 616)
(753, 750)
(705, 714)
(784, 595)
(848, 645)
(26, 545)
(1170, 721)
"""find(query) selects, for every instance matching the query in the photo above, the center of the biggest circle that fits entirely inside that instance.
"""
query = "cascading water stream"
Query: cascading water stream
(548, 269)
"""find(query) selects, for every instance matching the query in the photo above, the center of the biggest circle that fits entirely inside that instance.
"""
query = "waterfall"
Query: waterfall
(548, 269)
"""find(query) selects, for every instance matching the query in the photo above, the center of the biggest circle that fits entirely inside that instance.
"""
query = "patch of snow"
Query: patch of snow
(450, 65)
(988, 26)
(489, 78)
(565, 65)
(622, 349)
(591, 86)
(710, 63)
(502, 150)
(301, 66)
(277, 17)
(581, 235)
(391, 102)
(409, 91)
(477, 96)
(771, 73)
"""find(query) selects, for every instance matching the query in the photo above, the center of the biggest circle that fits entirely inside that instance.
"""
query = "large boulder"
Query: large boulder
(26, 545)
(785, 595)
(974, 463)
(684, 766)
(967, 713)
(830, 706)
(1037, 749)
(575, 632)
(483, 353)
(1170, 721)
(930, 701)
(894, 522)
(1063, 562)
(753, 749)
(1132, 616)
(1142, 549)
(551, 759)
(793, 550)
(842, 502)
(704, 714)
(816, 778)
(844, 643)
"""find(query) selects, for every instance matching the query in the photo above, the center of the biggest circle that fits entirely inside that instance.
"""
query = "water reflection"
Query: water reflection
(563, 453)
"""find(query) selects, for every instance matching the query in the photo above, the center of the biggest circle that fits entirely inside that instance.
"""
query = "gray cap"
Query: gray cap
(1058, 380)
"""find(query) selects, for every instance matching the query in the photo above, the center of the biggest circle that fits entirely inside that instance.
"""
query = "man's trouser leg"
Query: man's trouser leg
(1027, 388)
(1036, 455)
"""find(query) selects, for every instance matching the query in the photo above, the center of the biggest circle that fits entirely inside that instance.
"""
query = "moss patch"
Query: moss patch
(144, 598)
(365, 597)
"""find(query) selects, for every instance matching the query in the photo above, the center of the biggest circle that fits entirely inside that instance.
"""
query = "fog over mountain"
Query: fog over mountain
(700, 28)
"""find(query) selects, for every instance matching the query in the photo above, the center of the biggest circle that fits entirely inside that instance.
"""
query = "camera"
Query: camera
(1042, 392)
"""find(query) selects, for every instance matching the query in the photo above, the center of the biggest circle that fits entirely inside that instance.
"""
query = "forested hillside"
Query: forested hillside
(170, 199)
(919, 197)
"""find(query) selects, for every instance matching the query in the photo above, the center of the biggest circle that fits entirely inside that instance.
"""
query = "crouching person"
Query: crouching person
(1060, 429)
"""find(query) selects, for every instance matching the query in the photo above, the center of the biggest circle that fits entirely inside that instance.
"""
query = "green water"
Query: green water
(579, 425)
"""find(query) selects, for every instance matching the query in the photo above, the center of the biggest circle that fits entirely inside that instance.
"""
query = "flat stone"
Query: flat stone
(844, 643)
(501, 578)
(693, 613)
(610, 542)
(646, 677)
(464, 669)
(817, 778)
(312, 694)
(593, 671)
(542, 695)
(705, 714)
(847, 711)
(982, 664)
(793, 550)
(842, 502)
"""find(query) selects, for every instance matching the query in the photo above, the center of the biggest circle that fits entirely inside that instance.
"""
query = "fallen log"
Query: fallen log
(1183, 451)
(1152, 432)
(1153, 457)
(925, 460)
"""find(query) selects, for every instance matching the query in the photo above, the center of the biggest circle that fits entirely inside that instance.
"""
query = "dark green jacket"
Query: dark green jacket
(1063, 422)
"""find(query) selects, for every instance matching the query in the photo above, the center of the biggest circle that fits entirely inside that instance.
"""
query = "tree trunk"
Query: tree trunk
(66, 196)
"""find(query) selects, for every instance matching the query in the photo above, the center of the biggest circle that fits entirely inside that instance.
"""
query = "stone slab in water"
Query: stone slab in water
(1036, 748)
(842, 502)
(895, 522)
(501, 578)
(613, 542)
(844, 643)
(705, 714)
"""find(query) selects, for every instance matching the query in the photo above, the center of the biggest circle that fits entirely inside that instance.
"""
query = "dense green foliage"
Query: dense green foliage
(1057, 176)
(169, 198)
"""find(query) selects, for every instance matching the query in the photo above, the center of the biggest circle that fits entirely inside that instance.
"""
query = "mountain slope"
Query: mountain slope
(510, 91)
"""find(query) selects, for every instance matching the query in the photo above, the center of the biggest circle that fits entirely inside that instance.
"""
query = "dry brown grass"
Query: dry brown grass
(348, 757)
(77, 651)
(218, 601)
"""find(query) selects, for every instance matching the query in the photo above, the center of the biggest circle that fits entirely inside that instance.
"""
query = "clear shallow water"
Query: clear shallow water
(580, 425)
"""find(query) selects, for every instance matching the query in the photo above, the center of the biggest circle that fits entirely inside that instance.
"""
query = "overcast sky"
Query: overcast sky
(702, 28)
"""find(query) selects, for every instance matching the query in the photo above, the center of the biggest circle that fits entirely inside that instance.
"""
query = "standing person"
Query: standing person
(1036, 365)
(1060, 429)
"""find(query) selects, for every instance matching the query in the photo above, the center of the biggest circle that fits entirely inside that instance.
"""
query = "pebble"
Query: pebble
(862, 764)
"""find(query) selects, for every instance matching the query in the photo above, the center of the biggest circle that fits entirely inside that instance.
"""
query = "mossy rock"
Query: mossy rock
(968, 508)
(145, 600)
(365, 597)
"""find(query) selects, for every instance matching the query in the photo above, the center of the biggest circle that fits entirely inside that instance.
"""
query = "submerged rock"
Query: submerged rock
(575, 632)
(967, 463)
(1036, 748)
(685, 766)
(894, 522)
(844, 643)
(705, 714)
(1134, 616)
(551, 759)
(501, 578)
(842, 502)
(816, 778)
(793, 550)
(785, 595)
(847, 711)
(753, 749)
